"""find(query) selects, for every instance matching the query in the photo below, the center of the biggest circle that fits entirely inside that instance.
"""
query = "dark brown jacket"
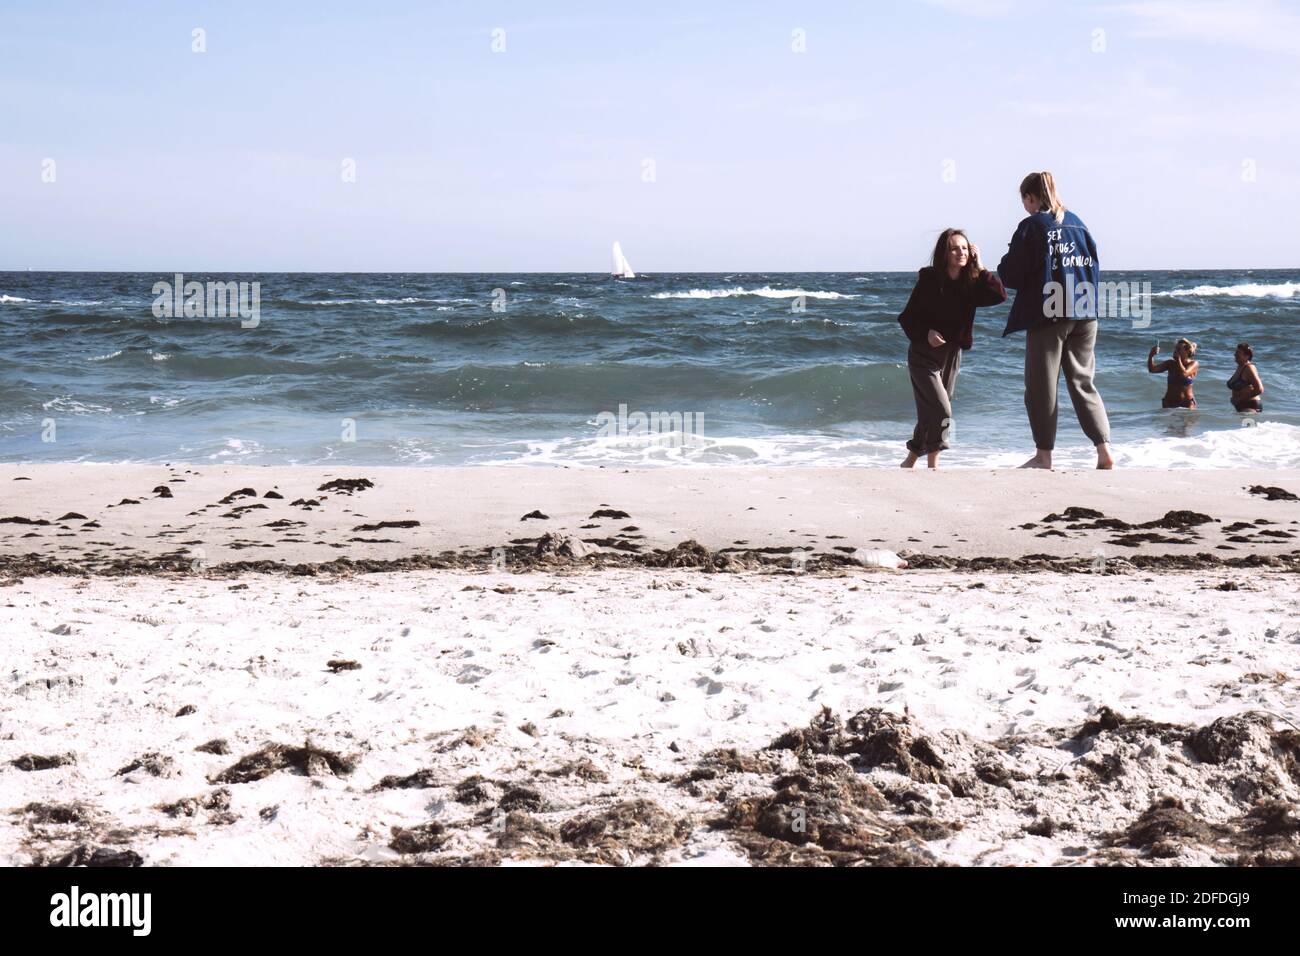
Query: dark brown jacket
(948, 307)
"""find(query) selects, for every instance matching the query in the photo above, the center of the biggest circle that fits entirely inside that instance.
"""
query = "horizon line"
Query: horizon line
(571, 272)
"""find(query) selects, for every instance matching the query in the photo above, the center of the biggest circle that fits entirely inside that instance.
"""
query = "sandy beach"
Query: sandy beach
(141, 518)
(1075, 668)
(651, 716)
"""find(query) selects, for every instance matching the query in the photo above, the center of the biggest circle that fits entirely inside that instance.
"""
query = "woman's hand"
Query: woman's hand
(935, 339)
(1154, 350)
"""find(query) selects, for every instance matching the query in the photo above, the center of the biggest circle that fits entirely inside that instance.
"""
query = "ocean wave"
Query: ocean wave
(236, 448)
(218, 367)
(1266, 445)
(1252, 290)
(766, 292)
(676, 449)
(699, 442)
(55, 321)
(13, 298)
(66, 403)
(494, 326)
(1262, 445)
(407, 300)
(1270, 445)
(810, 396)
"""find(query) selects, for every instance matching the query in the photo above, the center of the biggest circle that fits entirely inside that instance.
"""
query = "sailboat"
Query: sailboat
(622, 270)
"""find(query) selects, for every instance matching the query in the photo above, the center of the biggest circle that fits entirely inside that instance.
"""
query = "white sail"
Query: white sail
(621, 267)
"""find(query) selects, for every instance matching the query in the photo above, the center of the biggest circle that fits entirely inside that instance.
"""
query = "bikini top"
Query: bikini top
(1237, 383)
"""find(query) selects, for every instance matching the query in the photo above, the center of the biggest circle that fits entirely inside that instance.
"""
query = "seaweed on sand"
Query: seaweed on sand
(308, 759)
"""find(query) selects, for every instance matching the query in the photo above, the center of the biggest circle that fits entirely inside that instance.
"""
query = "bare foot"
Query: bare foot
(909, 461)
(932, 460)
(1041, 459)
(1104, 461)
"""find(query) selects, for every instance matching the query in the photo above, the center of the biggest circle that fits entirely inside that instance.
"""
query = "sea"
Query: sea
(674, 369)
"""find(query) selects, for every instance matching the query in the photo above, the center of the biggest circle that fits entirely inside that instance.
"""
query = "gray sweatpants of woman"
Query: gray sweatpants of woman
(1066, 344)
(934, 379)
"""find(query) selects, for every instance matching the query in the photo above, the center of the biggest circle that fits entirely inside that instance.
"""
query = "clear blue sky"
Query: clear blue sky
(532, 159)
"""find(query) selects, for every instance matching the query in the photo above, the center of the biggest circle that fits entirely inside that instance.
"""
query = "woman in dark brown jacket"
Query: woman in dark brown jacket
(939, 320)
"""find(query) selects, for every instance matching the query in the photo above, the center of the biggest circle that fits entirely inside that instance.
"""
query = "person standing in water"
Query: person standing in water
(1182, 369)
(939, 320)
(1245, 383)
(1052, 264)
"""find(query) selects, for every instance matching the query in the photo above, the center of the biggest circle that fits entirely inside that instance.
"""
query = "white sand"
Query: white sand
(635, 662)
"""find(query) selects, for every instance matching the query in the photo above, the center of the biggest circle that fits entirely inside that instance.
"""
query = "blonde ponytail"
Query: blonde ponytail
(1042, 186)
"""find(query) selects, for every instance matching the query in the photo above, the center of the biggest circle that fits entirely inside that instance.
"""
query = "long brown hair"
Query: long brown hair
(939, 259)
(1042, 186)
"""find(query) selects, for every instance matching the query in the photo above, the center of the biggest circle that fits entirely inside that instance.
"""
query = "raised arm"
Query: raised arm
(1187, 369)
(1151, 366)
(989, 289)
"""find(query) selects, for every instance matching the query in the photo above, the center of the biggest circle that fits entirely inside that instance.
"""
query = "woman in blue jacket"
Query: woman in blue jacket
(1052, 265)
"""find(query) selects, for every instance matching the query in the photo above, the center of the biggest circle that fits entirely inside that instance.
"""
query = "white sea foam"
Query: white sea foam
(1266, 445)
(766, 292)
(236, 448)
(677, 449)
(408, 300)
(13, 298)
(105, 358)
(66, 403)
(1252, 290)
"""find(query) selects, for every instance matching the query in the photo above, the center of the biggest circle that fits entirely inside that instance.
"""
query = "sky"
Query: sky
(705, 136)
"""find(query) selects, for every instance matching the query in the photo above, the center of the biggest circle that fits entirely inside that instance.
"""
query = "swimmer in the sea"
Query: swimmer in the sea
(1182, 369)
(1245, 383)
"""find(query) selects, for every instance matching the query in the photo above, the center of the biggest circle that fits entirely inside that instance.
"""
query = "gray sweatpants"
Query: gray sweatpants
(1064, 344)
(934, 379)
